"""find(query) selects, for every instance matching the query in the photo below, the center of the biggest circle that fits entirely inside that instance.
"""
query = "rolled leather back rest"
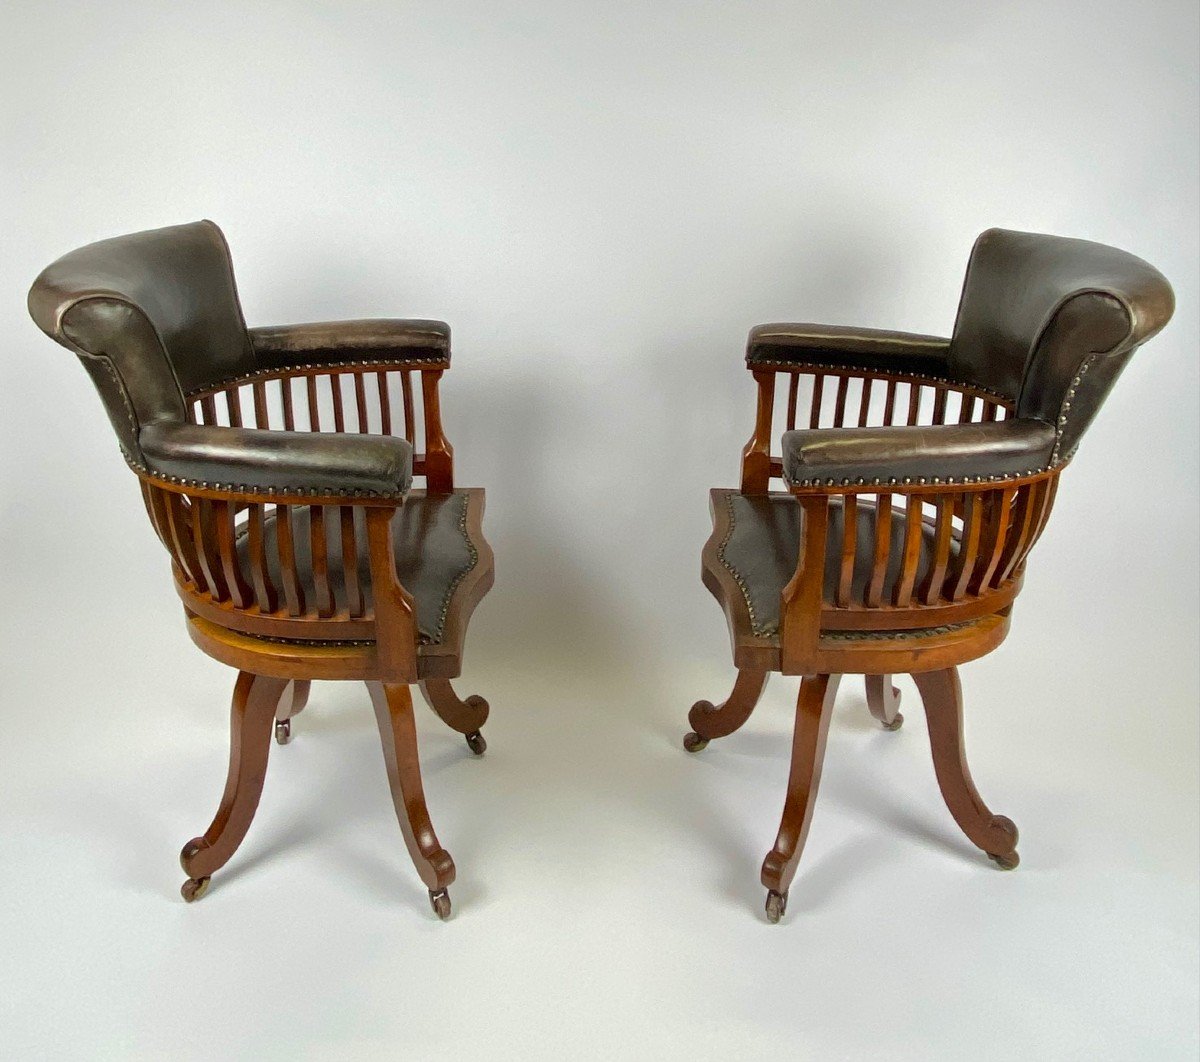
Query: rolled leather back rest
(1050, 322)
(152, 315)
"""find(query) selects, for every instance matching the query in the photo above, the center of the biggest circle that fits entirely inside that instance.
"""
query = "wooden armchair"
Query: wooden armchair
(920, 473)
(277, 467)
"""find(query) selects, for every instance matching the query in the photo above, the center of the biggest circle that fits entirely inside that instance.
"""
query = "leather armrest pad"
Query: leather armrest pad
(1007, 448)
(278, 346)
(856, 348)
(280, 462)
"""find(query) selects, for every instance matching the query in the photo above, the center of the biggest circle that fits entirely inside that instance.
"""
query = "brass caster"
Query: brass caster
(693, 742)
(776, 906)
(194, 888)
(895, 724)
(477, 745)
(1005, 862)
(283, 731)
(440, 902)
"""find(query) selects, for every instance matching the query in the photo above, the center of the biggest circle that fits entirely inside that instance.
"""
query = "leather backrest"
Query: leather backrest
(1050, 322)
(152, 315)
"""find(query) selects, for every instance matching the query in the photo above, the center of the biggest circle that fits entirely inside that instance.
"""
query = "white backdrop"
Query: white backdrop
(601, 200)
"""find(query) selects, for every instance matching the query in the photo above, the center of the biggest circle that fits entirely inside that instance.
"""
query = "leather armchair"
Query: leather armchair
(917, 475)
(277, 466)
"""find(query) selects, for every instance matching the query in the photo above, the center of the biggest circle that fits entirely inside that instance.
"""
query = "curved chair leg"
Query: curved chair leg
(814, 708)
(394, 714)
(255, 699)
(710, 721)
(289, 707)
(995, 834)
(467, 717)
(884, 701)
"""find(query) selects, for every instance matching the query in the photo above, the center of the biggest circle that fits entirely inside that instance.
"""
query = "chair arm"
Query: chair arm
(837, 347)
(947, 453)
(330, 342)
(279, 462)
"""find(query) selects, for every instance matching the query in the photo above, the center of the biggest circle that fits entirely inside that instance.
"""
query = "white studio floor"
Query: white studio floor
(607, 904)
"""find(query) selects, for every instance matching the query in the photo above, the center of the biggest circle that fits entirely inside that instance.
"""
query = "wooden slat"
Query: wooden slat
(262, 418)
(293, 592)
(410, 419)
(179, 527)
(1028, 504)
(864, 403)
(260, 577)
(914, 403)
(999, 522)
(385, 403)
(814, 409)
(943, 535)
(314, 406)
(1044, 514)
(360, 403)
(839, 409)
(849, 546)
(913, 533)
(939, 405)
(354, 594)
(285, 401)
(966, 412)
(319, 551)
(793, 390)
(208, 407)
(339, 412)
(883, 546)
(204, 535)
(889, 404)
(239, 590)
(968, 547)
(149, 496)
(233, 406)
(989, 411)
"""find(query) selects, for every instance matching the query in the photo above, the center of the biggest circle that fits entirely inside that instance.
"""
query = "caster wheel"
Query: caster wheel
(776, 906)
(1005, 862)
(283, 731)
(895, 724)
(476, 743)
(693, 742)
(194, 888)
(440, 902)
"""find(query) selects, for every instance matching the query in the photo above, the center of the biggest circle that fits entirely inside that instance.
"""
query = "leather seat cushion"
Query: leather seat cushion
(432, 545)
(763, 547)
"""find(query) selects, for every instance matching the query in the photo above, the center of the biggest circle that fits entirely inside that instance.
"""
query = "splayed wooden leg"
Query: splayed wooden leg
(814, 708)
(884, 701)
(394, 714)
(292, 704)
(255, 700)
(467, 717)
(710, 721)
(995, 834)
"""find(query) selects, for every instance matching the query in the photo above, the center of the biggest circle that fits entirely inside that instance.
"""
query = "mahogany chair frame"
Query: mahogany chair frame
(925, 628)
(283, 630)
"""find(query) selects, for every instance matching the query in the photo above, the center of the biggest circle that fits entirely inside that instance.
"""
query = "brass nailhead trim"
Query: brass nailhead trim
(860, 370)
(331, 367)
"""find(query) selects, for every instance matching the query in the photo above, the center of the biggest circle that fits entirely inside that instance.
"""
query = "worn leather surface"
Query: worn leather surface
(865, 348)
(279, 346)
(764, 545)
(948, 451)
(155, 316)
(1036, 310)
(432, 547)
(279, 460)
(152, 315)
